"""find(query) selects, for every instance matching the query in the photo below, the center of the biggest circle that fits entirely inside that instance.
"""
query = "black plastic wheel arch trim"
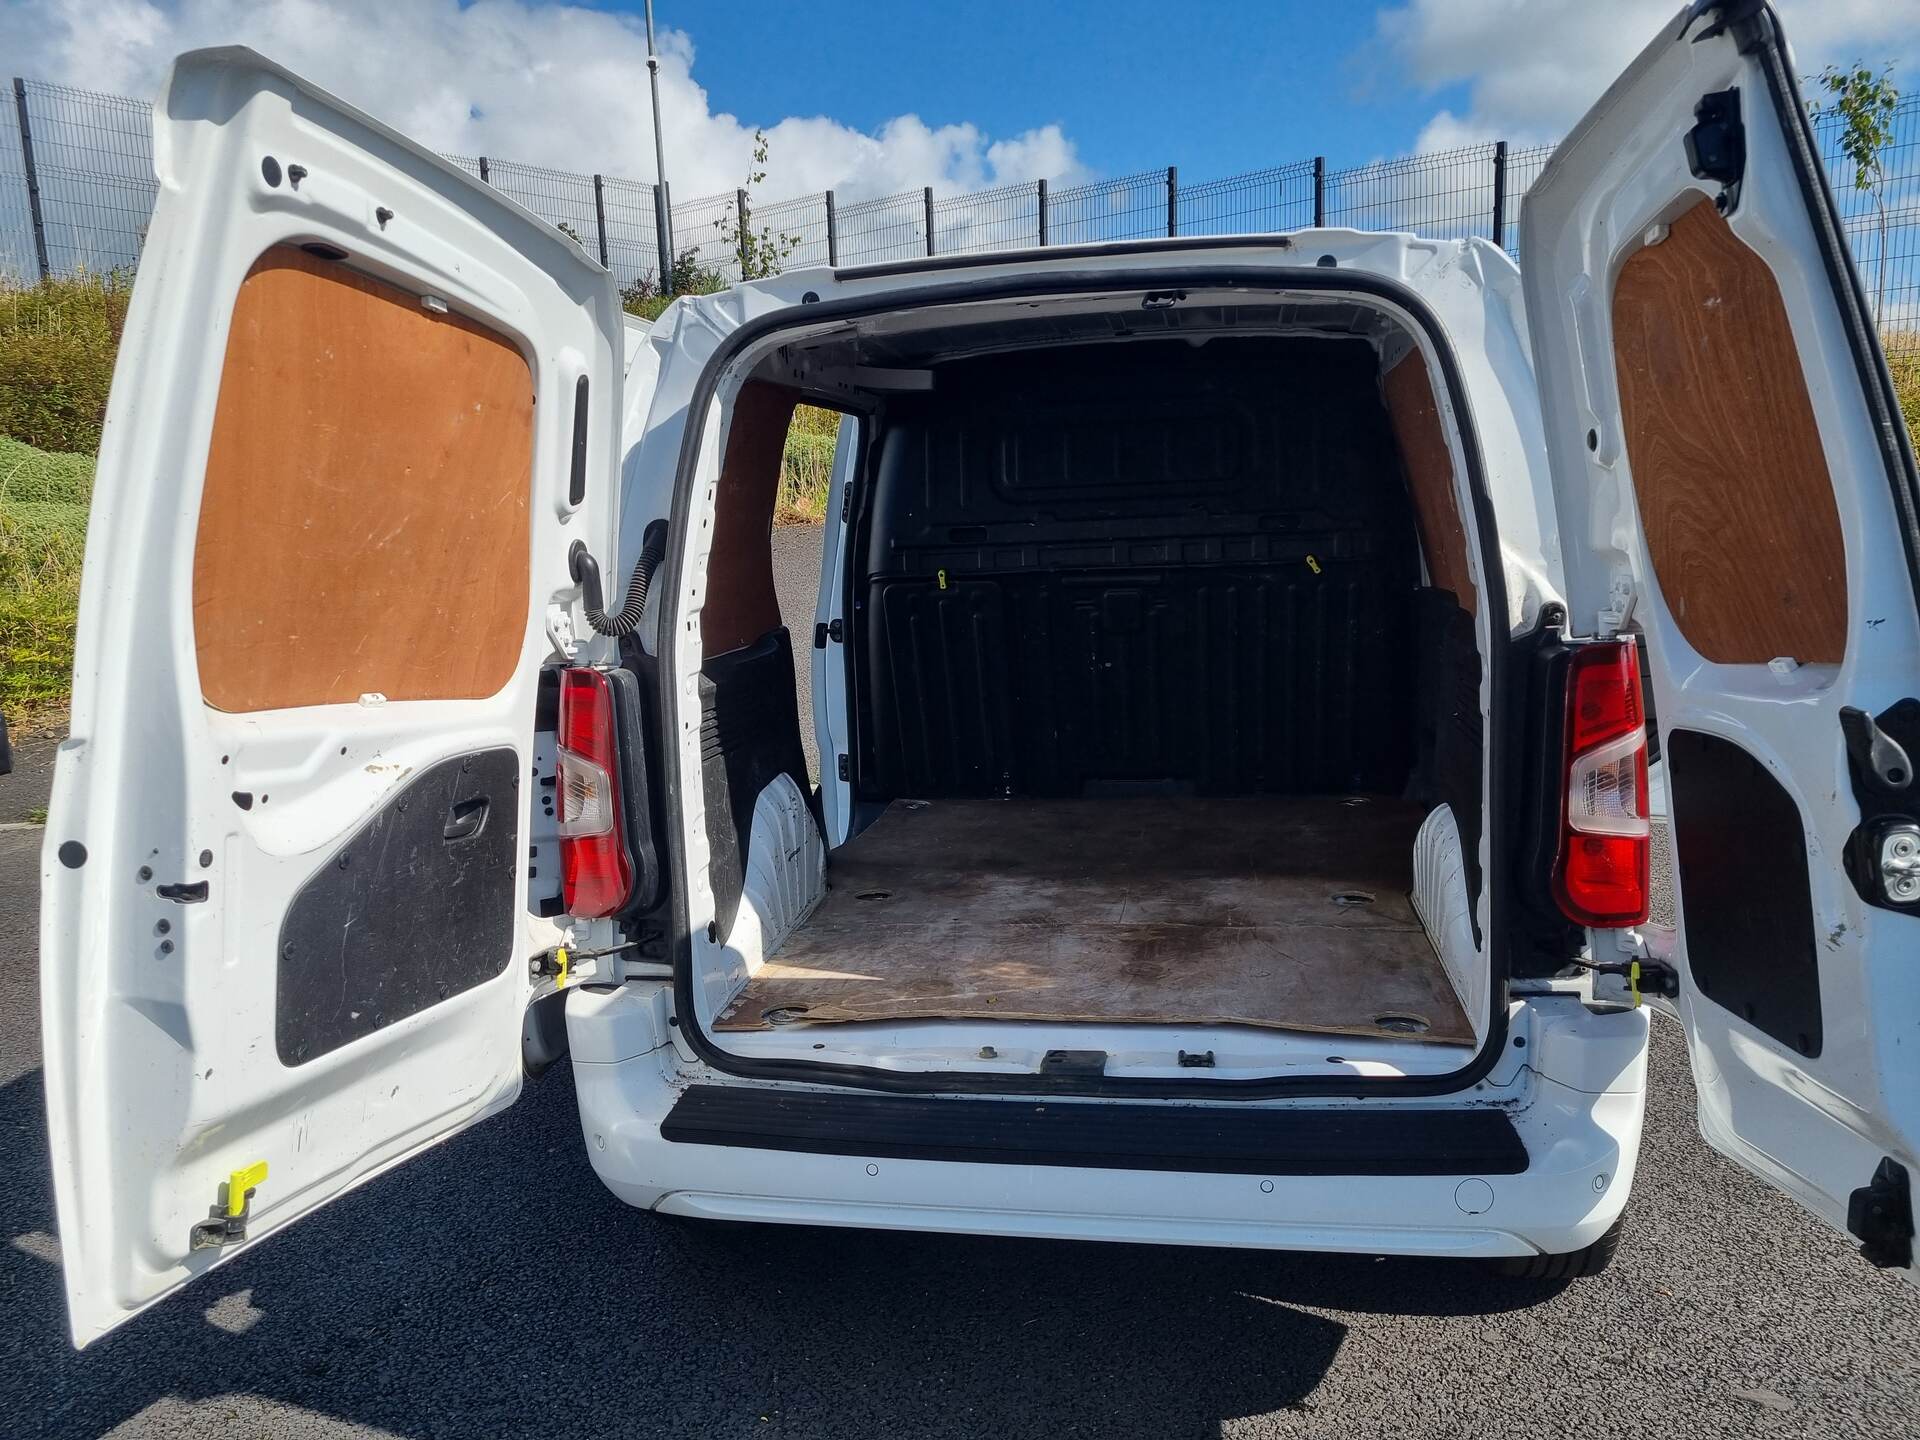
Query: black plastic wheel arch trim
(1251, 280)
(1196, 1139)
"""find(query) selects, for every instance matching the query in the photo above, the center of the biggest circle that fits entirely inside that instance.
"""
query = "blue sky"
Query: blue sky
(875, 97)
(1214, 88)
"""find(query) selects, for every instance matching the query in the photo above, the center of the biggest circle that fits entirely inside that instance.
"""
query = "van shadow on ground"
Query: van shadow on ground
(494, 1287)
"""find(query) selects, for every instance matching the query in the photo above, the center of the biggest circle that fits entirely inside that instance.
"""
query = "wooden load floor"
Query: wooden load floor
(1290, 912)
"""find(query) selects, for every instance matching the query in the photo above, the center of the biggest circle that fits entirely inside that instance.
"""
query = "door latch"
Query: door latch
(1900, 862)
(1880, 1216)
(226, 1222)
(1882, 855)
(1717, 145)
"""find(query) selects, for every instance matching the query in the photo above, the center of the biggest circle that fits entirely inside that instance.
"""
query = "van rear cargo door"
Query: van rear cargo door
(363, 407)
(1734, 480)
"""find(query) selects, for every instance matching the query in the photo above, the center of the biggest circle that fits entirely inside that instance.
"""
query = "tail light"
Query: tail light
(595, 867)
(1601, 875)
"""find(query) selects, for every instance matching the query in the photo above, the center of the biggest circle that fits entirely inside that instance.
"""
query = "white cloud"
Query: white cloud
(1531, 68)
(549, 84)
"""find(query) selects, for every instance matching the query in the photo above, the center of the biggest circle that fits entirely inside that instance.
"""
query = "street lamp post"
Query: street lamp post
(662, 198)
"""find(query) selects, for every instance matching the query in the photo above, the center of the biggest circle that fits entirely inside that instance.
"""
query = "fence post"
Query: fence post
(1319, 191)
(1500, 194)
(740, 215)
(600, 214)
(33, 179)
(485, 179)
(663, 234)
(1173, 200)
(1040, 193)
(926, 197)
(833, 234)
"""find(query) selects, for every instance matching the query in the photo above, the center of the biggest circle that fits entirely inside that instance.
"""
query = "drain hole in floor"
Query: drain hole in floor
(873, 895)
(1402, 1024)
(1348, 899)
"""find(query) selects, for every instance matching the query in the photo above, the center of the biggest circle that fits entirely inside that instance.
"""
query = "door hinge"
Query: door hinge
(1717, 144)
(826, 630)
(1880, 1216)
(226, 1222)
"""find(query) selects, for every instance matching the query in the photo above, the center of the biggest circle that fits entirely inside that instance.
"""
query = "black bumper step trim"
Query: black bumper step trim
(1200, 1139)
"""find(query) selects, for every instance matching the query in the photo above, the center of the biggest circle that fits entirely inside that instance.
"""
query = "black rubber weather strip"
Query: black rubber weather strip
(1244, 279)
(1210, 1140)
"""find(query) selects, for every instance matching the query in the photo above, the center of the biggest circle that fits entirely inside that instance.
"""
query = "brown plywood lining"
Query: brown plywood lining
(1731, 481)
(1415, 418)
(740, 604)
(364, 524)
(1169, 910)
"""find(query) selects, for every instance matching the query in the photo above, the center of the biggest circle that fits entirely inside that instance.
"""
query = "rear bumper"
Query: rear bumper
(1581, 1148)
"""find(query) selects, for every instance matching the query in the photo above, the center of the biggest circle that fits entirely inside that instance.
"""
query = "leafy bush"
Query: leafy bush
(58, 340)
(43, 524)
(1903, 355)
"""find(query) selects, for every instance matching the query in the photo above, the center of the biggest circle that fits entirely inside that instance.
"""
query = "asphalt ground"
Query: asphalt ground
(492, 1287)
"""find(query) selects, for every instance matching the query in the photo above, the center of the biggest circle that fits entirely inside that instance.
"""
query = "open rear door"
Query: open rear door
(363, 407)
(1734, 480)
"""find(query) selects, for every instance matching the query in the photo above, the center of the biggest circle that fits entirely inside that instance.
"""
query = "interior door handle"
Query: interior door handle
(466, 819)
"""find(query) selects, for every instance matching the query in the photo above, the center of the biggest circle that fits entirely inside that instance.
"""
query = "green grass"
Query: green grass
(43, 525)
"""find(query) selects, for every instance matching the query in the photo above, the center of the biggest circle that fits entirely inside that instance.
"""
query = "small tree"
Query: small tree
(764, 251)
(1865, 103)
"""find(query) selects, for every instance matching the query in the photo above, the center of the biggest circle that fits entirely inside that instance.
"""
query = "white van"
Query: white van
(1232, 825)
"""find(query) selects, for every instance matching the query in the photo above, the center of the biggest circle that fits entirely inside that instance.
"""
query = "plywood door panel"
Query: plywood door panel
(364, 524)
(1415, 418)
(1731, 481)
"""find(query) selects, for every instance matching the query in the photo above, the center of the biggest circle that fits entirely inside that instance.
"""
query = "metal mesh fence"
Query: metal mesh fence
(632, 232)
(1131, 207)
(92, 156)
(794, 232)
(1882, 224)
(18, 263)
(893, 227)
(91, 165)
(1447, 195)
(1276, 199)
(705, 227)
(1004, 218)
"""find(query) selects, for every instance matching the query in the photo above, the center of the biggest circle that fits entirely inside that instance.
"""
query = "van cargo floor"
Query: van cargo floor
(1284, 911)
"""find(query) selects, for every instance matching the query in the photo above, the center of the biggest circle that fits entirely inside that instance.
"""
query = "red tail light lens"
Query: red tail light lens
(1601, 876)
(596, 870)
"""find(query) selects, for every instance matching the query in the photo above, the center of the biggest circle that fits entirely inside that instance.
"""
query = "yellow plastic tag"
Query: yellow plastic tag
(941, 576)
(240, 1182)
(1313, 565)
(1633, 982)
(566, 963)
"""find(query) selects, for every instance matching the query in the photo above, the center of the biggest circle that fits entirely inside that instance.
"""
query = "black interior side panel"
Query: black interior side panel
(1747, 903)
(1142, 567)
(416, 907)
(749, 733)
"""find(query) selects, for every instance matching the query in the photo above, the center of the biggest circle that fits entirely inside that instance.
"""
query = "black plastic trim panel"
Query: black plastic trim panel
(1204, 1140)
(415, 907)
(1245, 279)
